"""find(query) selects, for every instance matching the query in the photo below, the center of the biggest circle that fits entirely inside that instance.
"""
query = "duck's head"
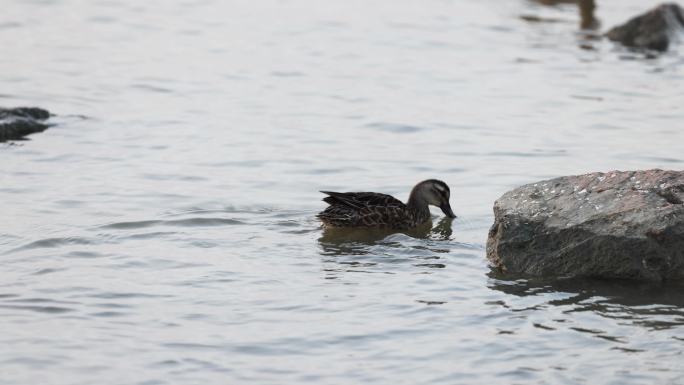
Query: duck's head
(433, 192)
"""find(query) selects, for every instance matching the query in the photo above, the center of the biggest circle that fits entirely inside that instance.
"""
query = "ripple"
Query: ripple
(53, 243)
(162, 177)
(152, 88)
(46, 271)
(287, 74)
(287, 223)
(537, 154)
(10, 25)
(126, 295)
(191, 346)
(108, 314)
(152, 235)
(33, 362)
(395, 128)
(132, 225)
(189, 222)
(83, 254)
(325, 171)
(194, 222)
(39, 309)
(39, 300)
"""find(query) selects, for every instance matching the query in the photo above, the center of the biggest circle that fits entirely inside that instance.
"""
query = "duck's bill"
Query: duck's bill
(446, 209)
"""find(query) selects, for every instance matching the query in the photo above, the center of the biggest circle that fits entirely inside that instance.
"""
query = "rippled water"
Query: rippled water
(163, 231)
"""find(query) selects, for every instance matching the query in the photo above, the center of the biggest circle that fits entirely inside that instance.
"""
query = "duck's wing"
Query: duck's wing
(361, 209)
(359, 200)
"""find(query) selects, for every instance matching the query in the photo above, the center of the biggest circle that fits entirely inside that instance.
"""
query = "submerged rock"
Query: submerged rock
(620, 224)
(655, 29)
(16, 123)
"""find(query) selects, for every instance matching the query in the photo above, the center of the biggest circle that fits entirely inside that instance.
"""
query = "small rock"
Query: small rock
(654, 30)
(620, 224)
(16, 123)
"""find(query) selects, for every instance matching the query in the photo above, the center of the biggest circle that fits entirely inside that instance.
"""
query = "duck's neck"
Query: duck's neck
(418, 205)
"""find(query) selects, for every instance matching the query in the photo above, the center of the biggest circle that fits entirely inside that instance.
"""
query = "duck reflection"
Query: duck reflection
(340, 241)
(587, 18)
(649, 304)
(587, 8)
(384, 251)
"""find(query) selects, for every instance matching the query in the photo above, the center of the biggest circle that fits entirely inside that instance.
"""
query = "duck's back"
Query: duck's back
(365, 209)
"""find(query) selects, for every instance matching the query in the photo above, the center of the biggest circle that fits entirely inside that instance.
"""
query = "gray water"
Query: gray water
(163, 231)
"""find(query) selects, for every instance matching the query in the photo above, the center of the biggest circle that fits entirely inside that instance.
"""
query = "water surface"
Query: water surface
(163, 231)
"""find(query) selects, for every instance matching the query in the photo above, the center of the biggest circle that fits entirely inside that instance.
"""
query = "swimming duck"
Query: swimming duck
(370, 209)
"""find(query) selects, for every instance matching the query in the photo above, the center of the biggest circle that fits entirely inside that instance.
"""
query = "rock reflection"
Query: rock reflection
(655, 306)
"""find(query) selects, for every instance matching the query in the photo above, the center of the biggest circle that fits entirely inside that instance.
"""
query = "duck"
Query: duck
(376, 210)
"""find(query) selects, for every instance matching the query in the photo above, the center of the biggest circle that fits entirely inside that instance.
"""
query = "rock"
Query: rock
(603, 225)
(16, 123)
(655, 29)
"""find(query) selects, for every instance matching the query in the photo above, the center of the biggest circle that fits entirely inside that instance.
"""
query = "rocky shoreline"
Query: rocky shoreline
(17, 123)
(618, 224)
(656, 29)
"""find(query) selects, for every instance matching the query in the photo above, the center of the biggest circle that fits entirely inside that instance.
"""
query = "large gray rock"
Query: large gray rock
(16, 123)
(607, 225)
(655, 29)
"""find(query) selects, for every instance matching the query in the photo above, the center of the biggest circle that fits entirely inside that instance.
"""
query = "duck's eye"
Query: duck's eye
(441, 193)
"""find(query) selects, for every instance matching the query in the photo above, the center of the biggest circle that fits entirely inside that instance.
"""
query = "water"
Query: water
(163, 231)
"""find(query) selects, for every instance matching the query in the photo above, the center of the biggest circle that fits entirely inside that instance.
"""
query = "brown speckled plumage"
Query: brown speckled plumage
(369, 209)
